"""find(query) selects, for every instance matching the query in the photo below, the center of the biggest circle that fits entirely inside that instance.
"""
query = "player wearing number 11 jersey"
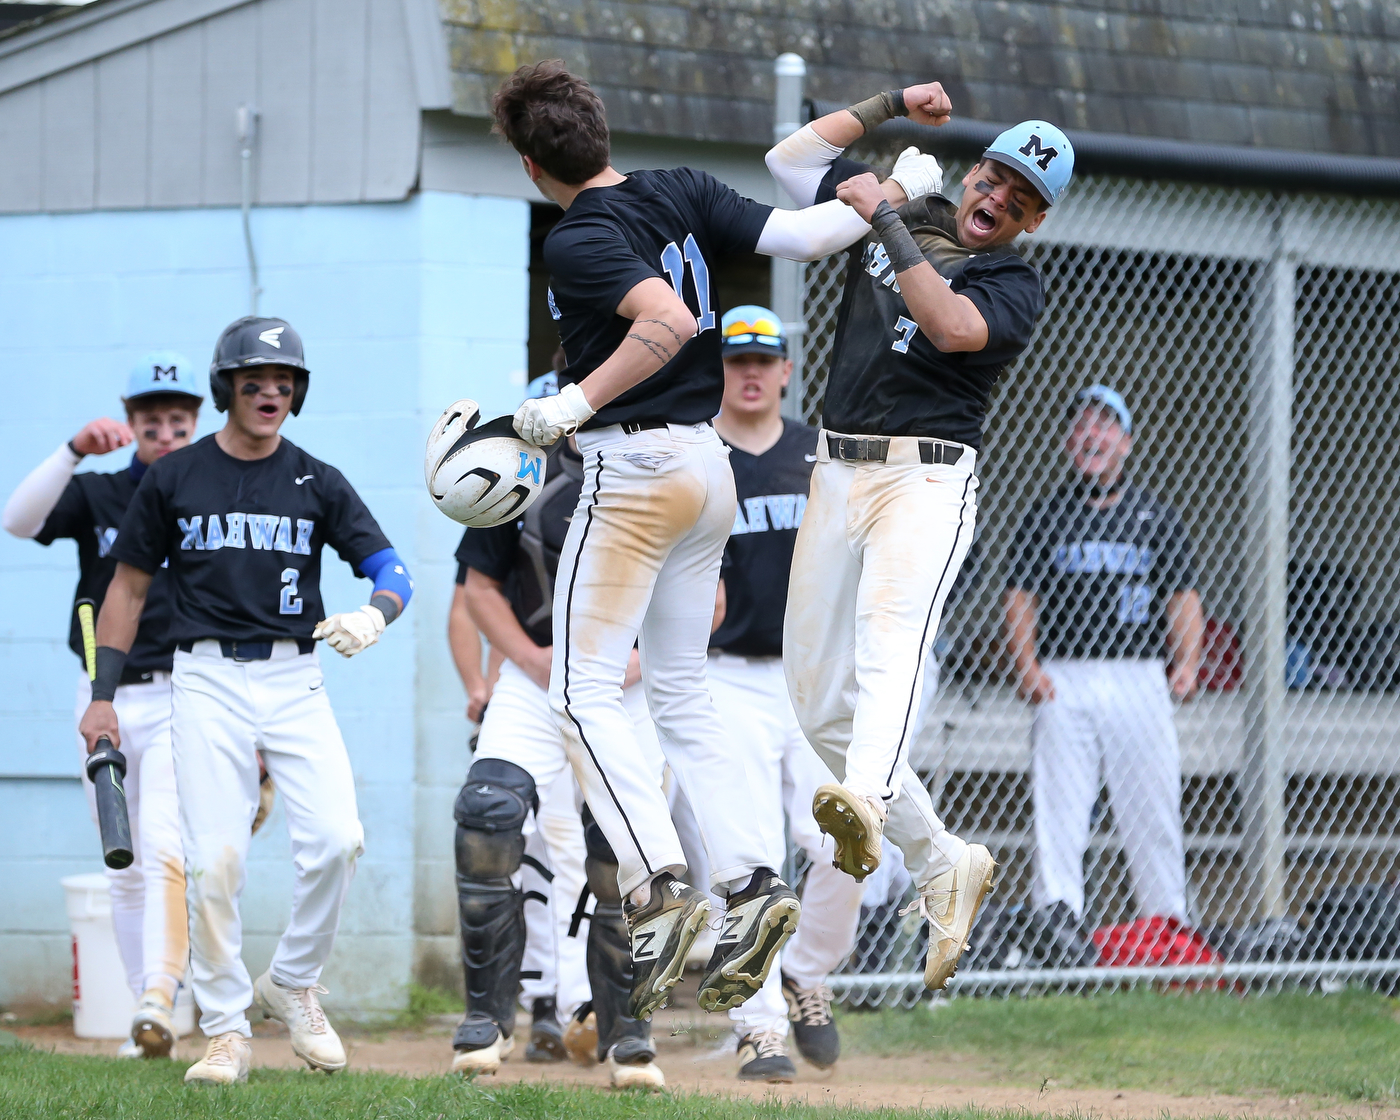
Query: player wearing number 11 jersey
(632, 287)
(241, 518)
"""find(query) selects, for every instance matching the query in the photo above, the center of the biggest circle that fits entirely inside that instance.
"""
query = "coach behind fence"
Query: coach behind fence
(1102, 587)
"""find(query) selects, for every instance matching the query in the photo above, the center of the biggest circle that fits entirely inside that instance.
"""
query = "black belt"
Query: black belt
(876, 449)
(136, 676)
(632, 427)
(249, 651)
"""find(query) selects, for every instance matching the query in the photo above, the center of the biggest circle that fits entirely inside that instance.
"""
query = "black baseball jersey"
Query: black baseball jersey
(676, 225)
(1103, 577)
(90, 512)
(523, 555)
(886, 378)
(244, 538)
(772, 490)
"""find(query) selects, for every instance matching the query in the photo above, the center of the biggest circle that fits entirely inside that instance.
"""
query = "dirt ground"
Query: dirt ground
(696, 1054)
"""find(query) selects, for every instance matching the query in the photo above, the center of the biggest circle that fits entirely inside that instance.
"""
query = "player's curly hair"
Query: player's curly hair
(555, 118)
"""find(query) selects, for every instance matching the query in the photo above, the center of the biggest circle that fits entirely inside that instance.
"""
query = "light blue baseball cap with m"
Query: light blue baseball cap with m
(1103, 397)
(1040, 152)
(163, 372)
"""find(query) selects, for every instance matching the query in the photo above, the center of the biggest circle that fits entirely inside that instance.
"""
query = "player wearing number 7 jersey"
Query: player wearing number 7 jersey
(632, 288)
(241, 518)
(937, 304)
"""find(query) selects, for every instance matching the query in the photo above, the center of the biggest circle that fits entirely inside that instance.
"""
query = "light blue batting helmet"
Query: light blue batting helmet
(1105, 397)
(1040, 152)
(163, 371)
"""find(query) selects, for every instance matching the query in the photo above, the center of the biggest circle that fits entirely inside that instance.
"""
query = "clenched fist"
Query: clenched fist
(353, 631)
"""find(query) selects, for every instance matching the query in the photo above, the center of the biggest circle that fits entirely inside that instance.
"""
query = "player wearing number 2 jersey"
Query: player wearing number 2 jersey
(241, 518)
(631, 277)
(937, 303)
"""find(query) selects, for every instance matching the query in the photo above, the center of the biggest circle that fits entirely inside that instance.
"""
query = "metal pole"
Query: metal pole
(1261, 775)
(248, 137)
(789, 72)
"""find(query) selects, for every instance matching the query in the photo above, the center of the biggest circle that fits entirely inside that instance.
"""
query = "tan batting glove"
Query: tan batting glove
(353, 631)
(543, 420)
(917, 174)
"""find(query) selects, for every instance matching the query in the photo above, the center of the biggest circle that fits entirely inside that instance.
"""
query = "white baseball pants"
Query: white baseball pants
(223, 713)
(148, 898)
(519, 727)
(752, 698)
(1110, 721)
(641, 563)
(877, 553)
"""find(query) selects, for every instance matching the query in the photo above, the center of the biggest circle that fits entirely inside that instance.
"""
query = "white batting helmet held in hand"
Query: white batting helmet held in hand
(481, 476)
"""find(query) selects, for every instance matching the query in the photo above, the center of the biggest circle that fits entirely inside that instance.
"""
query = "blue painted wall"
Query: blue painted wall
(403, 307)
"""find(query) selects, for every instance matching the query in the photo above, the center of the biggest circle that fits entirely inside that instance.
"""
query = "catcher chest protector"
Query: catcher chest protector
(253, 341)
(490, 813)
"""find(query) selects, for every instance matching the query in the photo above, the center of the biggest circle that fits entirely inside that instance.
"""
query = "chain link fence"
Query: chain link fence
(1254, 337)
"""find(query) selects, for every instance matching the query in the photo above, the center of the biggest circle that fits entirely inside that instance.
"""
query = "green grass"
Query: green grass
(1345, 1045)
(38, 1085)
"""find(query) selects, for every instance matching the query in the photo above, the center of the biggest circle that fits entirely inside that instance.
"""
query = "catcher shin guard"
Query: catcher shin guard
(490, 813)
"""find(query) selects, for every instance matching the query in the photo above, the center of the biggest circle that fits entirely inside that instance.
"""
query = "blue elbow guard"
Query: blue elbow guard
(388, 573)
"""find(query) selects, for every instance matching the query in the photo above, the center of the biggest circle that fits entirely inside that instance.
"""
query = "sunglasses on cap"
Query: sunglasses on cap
(763, 331)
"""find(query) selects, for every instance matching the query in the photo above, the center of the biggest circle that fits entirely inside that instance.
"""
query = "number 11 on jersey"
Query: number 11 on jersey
(674, 262)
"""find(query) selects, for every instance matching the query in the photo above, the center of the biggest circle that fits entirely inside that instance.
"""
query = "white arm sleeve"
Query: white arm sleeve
(800, 162)
(810, 234)
(34, 498)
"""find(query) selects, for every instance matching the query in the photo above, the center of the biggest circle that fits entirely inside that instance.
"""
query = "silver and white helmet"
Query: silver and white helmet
(481, 476)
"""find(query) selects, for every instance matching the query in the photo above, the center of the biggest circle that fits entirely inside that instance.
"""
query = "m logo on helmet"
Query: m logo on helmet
(165, 373)
(529, 467)
(272, 336)
(1036, 151)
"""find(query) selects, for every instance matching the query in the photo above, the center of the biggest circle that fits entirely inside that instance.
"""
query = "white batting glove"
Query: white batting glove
(353, 631)
(917, 173)
(543, 420)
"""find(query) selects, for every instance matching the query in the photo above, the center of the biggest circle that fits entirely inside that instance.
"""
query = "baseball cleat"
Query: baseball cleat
(152, 1027)
(809, 1011)
(758, 922)
(546, 1035)
(129, 1049)
(855, 823)
(225, 1062)
(581, 1036)
(950, 903)
(475, 1052)
(661, 932)
(763, 1057)
(632, 1065)
(314, 1040)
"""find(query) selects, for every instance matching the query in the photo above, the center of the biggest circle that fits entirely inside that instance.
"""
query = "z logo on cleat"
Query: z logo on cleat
(732, 922)
(641, 946)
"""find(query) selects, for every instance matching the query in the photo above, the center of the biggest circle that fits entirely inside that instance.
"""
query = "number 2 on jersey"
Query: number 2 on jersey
(674, 262)
(907, 329)
(290, 604)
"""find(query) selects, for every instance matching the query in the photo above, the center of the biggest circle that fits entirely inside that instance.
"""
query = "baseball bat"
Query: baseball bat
(106, 766)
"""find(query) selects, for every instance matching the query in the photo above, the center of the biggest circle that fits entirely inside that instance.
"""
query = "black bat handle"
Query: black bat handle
(106, 767)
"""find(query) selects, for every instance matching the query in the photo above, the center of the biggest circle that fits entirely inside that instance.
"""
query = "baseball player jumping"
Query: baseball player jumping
(520, 788)
(162, 400)
(937, 304)
(636, 304)
(772, 460)
(241, 518)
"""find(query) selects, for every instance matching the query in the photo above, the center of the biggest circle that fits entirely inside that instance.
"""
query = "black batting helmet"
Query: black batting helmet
(253, 341)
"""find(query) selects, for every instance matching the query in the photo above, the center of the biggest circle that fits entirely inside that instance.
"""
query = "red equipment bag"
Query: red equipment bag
(1150, 941)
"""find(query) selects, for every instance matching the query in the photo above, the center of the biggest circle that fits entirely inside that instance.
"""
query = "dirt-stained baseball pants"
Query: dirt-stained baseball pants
(877, 553)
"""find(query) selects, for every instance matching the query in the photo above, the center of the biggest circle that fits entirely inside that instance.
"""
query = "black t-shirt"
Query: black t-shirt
(886, 378)
(772, 490)
(677, 225)
(244, 538)
(1103, 577)
(90, 511)
(523, 555)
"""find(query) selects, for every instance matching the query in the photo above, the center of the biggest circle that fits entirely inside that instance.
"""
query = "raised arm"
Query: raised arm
(117, 624)
(35, 498)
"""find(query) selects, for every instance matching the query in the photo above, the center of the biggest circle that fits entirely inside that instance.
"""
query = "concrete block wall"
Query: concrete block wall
(403, 307)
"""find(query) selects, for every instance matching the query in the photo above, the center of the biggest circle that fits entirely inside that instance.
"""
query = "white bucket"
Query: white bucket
(103, 1005)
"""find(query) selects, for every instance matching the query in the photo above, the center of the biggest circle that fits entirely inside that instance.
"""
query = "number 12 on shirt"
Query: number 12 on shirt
(673, 260)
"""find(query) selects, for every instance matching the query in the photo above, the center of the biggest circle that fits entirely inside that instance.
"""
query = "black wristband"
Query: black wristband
(110, 663)
(75, 451)
(386, 605)
(899, 243)
(897, 106)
